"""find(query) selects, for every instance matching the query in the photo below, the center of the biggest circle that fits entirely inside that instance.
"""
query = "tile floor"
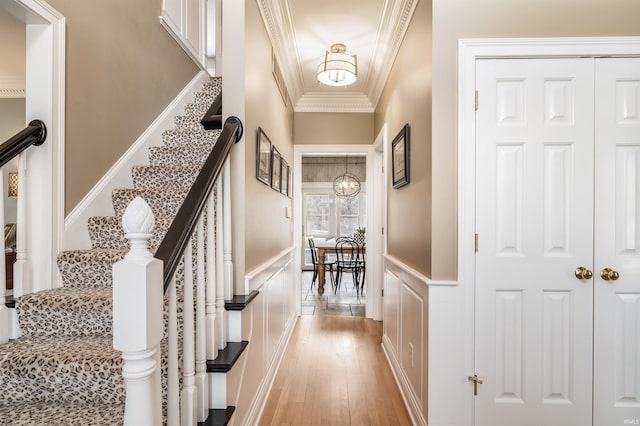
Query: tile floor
(343, 303)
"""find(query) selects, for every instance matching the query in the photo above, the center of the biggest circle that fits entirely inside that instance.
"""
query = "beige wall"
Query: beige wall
(332, 128)
(267, 231)
(122, 70)
(455, 19)
(407, 99)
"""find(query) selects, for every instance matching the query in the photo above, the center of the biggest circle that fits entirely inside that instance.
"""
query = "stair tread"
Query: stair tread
(60, 413)
(227, 357)
(239, 302)
(219, 417)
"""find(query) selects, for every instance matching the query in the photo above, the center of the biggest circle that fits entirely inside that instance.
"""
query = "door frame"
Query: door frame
(469, 51)
(374, 284)
(45, 100)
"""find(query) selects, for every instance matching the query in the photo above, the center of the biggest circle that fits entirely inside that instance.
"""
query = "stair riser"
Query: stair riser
(87, 269)
(160, 177)
(180, 138)
(162, 202)
(187, 155)
(107, 233)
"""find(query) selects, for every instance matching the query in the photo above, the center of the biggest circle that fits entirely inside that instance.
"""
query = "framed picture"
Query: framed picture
(284, 188)
(276, 169)
(400, 158)
(263, 157)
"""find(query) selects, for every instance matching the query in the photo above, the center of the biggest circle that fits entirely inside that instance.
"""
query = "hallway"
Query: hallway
(334, 372)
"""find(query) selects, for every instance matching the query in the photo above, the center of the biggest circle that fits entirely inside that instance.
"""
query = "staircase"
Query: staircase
(63, 370)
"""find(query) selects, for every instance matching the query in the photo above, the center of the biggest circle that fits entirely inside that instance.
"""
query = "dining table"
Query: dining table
(325, 248)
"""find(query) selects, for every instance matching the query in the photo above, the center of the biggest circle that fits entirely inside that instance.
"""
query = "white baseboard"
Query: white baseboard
(98, 201)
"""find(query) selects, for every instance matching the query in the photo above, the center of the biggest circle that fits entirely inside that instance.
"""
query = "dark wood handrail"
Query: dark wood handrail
(173, 244)
(34, 134)
(213, 117)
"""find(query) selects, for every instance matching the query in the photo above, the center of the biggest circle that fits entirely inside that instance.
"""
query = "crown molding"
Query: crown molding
(12, 88)
(277, 20)
(397, 17)
(326, 102)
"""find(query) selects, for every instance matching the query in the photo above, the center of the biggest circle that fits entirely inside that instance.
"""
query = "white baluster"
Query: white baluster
(21, 273)
(187, 396)
(137, 317)
(212, 343)
(228, 254)
(173, 391)
(202, 393)
(221, 331)
(4, 311)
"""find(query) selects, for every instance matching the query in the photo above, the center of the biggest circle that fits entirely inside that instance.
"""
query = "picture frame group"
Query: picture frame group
(271, 168)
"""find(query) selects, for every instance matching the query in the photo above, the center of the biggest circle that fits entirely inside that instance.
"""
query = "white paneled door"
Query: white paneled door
(558, 193)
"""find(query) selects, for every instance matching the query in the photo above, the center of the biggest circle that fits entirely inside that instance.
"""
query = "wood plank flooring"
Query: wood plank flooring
(334, 372)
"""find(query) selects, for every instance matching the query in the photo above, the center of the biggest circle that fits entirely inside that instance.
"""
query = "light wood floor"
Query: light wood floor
(334, 372)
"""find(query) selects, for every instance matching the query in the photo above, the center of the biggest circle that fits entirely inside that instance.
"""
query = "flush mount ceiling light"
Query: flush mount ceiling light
(338, 68)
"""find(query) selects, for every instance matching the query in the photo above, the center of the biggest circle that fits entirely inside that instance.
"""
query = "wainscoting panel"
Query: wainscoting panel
(405, 334)
(267, 323)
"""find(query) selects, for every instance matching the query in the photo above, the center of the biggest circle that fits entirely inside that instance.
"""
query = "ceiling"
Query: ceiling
(301, 31)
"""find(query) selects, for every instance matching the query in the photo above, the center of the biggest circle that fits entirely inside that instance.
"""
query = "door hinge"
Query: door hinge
(476, 243)
(476, 100)
(476, 381)
(383, 230)
(383, 292)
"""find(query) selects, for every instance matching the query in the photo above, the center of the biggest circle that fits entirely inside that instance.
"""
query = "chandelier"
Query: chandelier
(338, 67)
(347, 184)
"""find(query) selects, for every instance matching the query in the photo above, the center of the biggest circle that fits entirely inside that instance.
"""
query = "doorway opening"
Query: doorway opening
(329, 215)
(329, 218)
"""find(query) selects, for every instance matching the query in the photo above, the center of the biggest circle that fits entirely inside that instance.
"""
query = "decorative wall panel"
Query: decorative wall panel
(510, 199)
(558, 102)
(509, 346)
(510, 102)
(627, 363)
(558, 198)
(557, 365)
(628, 102)
(627, 198)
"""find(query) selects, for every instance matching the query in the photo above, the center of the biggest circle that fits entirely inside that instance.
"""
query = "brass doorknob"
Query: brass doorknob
(583, 273)
(609, 274)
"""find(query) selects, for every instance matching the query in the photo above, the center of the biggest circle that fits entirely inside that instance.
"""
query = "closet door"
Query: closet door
(534, 219)
(617, 243)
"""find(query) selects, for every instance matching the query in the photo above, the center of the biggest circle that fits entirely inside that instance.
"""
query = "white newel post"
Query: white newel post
(137, 317)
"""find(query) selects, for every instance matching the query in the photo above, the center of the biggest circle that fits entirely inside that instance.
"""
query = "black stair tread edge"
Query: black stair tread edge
(218, 417)
(239, 302)
(10, 302)
(227, 357)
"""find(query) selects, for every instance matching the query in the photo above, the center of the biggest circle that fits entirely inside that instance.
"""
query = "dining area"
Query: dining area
(337, 257)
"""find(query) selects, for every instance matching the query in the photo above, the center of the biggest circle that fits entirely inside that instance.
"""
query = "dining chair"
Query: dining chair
(328, 265)
(350, 258)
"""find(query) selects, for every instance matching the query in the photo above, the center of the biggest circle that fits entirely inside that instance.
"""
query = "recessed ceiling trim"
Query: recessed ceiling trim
(392, 27)
(14, 88)
(322, 102)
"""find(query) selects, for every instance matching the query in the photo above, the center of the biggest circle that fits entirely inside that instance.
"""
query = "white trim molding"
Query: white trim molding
(45, 100)
(469, 51)
(12, 88)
